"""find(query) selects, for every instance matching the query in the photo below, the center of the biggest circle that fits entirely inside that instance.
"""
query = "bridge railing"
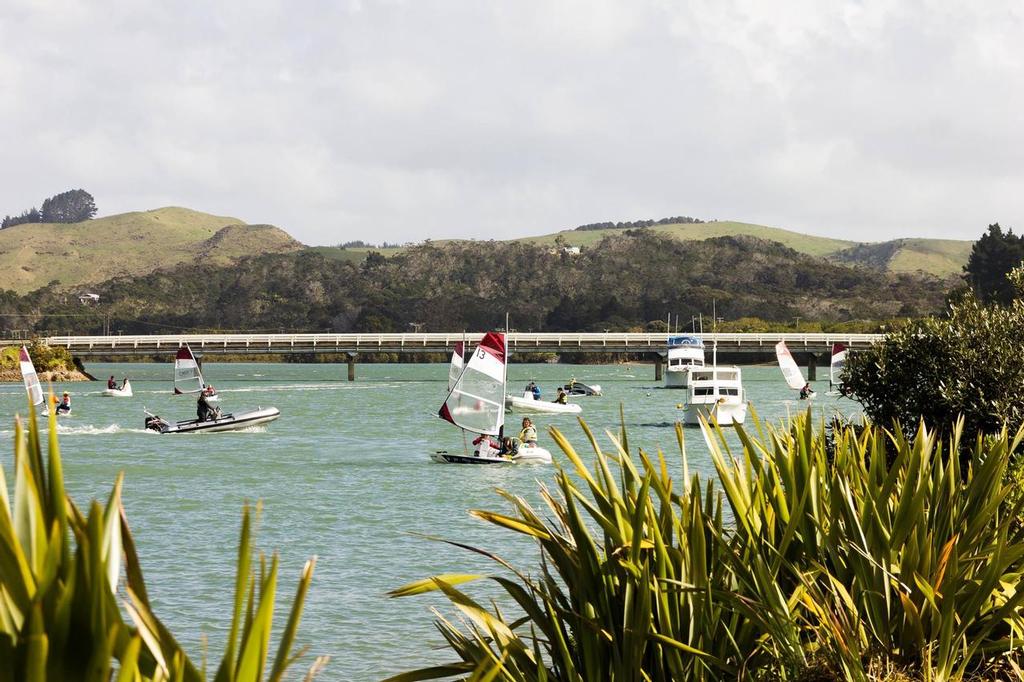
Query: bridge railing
(566, 340)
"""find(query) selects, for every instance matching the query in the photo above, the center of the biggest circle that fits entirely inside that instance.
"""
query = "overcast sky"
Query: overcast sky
(400, 121)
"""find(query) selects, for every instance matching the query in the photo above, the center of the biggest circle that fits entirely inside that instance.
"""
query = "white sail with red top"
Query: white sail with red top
(839, 353)
(790, 370)
(187, 377)
(455, 368)
(477, 400)
(31, 379)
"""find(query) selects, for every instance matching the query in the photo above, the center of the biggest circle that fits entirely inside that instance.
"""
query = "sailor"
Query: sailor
(64, 406)
(111, 383)
(561, 398)
(485, 446)
(528, 435)
(204, 410)
(208, 390)
(535, 389)
(806, 391)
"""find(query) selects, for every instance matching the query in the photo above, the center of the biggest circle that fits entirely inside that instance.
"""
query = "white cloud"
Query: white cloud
(406, 120)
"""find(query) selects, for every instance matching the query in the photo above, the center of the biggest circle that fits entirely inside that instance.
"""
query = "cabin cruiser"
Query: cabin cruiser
(685, 353)
(715, 393)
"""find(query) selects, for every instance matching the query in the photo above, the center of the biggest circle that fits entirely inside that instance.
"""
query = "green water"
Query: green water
(344, 474)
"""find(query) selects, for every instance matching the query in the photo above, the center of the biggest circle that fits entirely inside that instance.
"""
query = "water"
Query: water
(344, 474)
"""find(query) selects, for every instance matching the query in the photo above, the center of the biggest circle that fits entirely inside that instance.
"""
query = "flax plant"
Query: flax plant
(835, 562)
(73, 603)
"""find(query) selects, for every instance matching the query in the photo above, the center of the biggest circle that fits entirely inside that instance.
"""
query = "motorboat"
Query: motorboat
(476, 404)
(125, 391)
(579, 388)
(685, 353)
(528, 404)
(188, 375)
(716, 394)
(223, 422)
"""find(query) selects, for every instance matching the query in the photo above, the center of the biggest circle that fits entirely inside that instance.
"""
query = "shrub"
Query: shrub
(61, 572)
(839, 567)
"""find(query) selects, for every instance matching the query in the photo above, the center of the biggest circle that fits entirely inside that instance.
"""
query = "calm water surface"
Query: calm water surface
(345, 475)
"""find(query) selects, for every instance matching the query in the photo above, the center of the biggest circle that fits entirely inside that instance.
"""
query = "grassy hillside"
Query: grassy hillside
(33, 255)
(804, 243)
(940, 257)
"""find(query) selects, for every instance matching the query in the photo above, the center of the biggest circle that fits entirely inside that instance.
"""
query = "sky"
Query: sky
(405, 120)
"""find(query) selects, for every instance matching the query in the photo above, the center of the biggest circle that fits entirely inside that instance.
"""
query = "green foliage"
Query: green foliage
(64, 603)
(73, 206)
(836, 562)
(936, 369)
(992, 258)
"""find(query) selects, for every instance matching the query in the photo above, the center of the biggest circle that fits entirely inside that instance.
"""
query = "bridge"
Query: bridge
(811, 345)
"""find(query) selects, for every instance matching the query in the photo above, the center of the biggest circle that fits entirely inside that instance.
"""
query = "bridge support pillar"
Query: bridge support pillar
(658, 367)
(351, 366)
(812, 366)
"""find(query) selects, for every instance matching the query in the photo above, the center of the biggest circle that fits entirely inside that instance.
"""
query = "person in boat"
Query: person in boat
(486, 446)
(533, 388)
(561, 398)
(509, 446)
(112, 383)
(572, 384)
(204, 410)
(124, 382)
(806, 391)
(528, 435)
(64, 406)
(209, 390)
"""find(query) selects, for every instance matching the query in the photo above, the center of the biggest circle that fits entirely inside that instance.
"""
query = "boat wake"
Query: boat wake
(90, 430)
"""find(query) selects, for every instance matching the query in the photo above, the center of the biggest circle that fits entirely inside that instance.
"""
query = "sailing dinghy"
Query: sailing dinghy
(455, 368)
(835, 370)
(476, 404)
(188, 377)
(29, 376)
(790, 370)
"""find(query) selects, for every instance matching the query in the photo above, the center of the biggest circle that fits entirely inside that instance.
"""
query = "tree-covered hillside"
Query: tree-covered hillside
(623, 282)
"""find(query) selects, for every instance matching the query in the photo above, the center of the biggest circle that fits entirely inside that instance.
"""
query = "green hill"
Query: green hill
(33, 255)
(941, 257)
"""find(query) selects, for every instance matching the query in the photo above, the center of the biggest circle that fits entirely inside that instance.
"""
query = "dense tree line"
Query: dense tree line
(73, 206)
(678, 220)
(623, 283)
(992, 258)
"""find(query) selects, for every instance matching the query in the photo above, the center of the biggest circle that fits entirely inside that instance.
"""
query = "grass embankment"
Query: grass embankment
(52, 363)
(850, 554)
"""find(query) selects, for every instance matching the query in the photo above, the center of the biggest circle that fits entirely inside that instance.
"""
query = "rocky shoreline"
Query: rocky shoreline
(57, 376)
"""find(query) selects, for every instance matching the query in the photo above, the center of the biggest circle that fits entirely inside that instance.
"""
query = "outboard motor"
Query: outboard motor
(155, 423)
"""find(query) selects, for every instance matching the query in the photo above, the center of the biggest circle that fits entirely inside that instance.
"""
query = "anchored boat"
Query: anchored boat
(685, 353)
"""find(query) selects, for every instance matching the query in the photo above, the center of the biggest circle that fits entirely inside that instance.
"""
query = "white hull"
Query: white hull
(228, 422)
(525, 455)
(676, 378)
(725, 412)
(531, 406)
(123, 392)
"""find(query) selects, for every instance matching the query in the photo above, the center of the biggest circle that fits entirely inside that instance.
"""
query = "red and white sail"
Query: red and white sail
(455, 368)
(790, 370)
(477, 400)
(837, 364)
(31, 379)
(187, 377)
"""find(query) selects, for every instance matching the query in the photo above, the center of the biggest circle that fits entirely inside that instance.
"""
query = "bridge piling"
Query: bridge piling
(658, 367)
(812, 366)
(351, 366)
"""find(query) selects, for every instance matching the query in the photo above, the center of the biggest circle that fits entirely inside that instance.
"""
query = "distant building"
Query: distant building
(570, 250)
(88, 299)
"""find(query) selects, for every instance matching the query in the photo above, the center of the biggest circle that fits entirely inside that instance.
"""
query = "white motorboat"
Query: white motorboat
(528, 404)
(125, 391)
(579, 388)
(685, 353)
(224, 422)
(791, 371)
(476, 404)
(715, 393)
(188, 376)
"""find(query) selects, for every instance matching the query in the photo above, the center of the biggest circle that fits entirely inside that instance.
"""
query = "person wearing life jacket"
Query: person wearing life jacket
(64, 406)
(204, 410)
(112, 383)
(561, 398)
(806, 391)
(528, 436)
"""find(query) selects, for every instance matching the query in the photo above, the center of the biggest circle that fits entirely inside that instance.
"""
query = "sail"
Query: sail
(838, 362)
(790, 370)
(455, 368)
(187, 377)
(28, 373)
(477, 400)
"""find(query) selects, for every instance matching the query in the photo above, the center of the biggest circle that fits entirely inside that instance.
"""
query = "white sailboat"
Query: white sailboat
(188, 377)
(835, 370)
(791, 371)
(455, 368)
(29, 376)
(476, 404)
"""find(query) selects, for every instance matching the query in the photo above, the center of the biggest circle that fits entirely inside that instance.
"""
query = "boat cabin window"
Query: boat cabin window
(704, 391)
(729, 391)
(702, 376)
